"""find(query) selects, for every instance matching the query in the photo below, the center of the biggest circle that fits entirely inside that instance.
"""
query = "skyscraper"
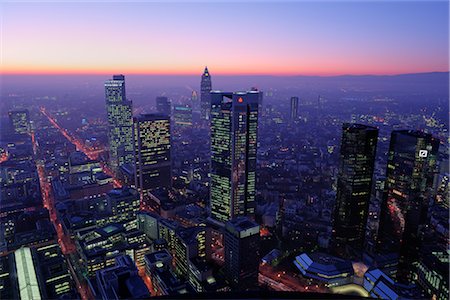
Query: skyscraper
(205, 97)
(163, 106)
(152, 152)
(120, 123)
(294, 108)
(241, 241)
(182, 115)
(20, 121)
(234, 126)
(410, 171)
(195, 104)
(357, 159)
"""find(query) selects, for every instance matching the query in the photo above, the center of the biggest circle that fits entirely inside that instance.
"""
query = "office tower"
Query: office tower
(410, 171)
(123, 204)
(152, 152)
(294, 108)
(163, 106)
(182, 115)
(432, 273)
(205, 97)
(189, 243)
(241, 241)
(354, 186)
(120, 123)
(234, 126)
(260, 100)
(19, 121)
(195, 103)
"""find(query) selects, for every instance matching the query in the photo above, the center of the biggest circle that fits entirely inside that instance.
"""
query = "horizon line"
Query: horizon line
(225, 74)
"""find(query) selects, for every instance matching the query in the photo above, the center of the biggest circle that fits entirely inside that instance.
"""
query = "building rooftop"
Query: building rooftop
(242, 223)
(323, 266)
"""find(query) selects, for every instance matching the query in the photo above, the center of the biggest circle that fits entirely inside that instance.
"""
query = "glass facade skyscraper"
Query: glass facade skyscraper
(205, 97)
(120, 123)
(152, 152)
(354, 185)
(234, 126)
(410, 172)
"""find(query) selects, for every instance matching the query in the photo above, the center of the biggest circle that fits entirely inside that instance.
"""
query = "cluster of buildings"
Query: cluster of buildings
(147, 223)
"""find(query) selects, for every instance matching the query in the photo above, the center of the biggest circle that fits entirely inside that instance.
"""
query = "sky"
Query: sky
(251, 37)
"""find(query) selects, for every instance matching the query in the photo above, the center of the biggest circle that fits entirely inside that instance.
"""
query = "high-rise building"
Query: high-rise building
(182, 115)
(432, 273)
(354, 186)
(410, 171)
(205, 97)
(241, 241)
(260, 100)
(234, 126)
(294, 108)
(120, 123)
(122, 204)
(195, 103)
(152, 152)
(19, 121)
(163, 106)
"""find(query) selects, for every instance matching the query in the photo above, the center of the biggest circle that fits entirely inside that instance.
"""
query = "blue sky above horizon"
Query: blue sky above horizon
(252, 37)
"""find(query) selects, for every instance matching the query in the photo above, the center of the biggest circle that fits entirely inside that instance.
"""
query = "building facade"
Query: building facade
(294, 109)
(409, 179)
(354, 185)
(234, 126)
(163, 106)
(205, 97)
(241, 241)
(152, 152)
(19, 121)
(120, 123)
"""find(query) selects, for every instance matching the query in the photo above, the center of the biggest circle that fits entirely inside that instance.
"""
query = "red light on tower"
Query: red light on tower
(240, 100)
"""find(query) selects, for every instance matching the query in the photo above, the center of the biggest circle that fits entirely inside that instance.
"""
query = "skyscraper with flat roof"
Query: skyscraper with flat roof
(120, 123)
(234, 126)
(410, 172)
(163, 106)
(205, 97)
(241, 241)
(152, 152)
(354, 186)
(294, 108)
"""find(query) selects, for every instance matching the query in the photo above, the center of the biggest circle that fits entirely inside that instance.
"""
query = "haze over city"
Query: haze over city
(232, 150)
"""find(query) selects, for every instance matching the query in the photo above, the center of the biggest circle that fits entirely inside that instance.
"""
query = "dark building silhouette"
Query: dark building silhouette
(234, 126)
(205, 97)
(294, 108)
(163, 106)
(241, 241)
(409, 178)
(354, 185)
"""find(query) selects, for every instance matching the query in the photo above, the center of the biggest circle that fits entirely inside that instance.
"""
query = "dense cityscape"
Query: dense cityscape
(215, 150)
(223, 192)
